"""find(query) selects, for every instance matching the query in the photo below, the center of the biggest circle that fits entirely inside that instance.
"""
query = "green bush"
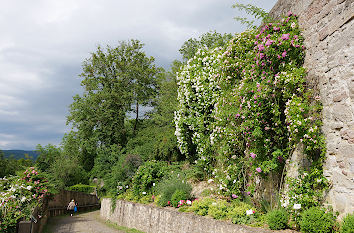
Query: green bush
(147, 175)
(177, 196)
(168, 187)
(145, 199)
(277, 219)
(347, 225)
(84, 188)
(238, 215)
(117, 180)
(218, 209)
(201, 207)
(315, 220)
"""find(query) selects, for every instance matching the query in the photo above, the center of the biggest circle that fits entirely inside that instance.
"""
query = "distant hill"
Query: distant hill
(19, 154)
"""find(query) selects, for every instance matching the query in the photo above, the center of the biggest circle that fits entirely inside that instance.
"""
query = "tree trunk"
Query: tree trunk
(137, 116)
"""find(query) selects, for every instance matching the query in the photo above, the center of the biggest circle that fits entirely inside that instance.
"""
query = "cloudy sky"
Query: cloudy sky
(43, 44)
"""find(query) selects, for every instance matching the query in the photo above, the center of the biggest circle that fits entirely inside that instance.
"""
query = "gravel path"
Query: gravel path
(86, 222)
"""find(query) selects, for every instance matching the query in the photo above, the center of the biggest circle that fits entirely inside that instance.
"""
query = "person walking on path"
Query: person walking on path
(71, 207)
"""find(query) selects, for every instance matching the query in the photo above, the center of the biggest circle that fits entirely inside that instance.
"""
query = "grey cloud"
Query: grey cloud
(43, 44)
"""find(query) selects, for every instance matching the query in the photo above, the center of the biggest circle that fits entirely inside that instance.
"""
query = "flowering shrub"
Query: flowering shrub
(306, 190)
(184, 203)
(197, 92)
(246, 107)
(19, 196)
(178, 198)
(172, 190)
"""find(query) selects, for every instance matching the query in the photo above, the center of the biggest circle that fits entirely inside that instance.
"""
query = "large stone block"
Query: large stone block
(348, 135)
(342, 112)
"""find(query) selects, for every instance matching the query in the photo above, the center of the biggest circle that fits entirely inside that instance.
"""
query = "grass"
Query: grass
(121, 228)
(117, 227)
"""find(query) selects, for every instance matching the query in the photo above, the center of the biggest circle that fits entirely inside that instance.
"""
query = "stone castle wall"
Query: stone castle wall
(328, 28)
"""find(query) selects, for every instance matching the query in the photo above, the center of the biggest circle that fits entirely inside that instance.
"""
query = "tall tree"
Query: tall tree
(113, 79)
(47, 155)
(155, 138)
(209, 40)
(2, 164)
(82, 150)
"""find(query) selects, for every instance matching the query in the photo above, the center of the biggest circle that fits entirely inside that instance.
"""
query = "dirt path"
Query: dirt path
(86, 222)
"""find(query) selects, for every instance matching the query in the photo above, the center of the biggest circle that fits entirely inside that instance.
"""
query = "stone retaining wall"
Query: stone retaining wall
(63, 198)
(328, 28)
(151, 219)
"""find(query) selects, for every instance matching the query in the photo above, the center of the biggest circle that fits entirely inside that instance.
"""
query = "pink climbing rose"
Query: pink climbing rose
(283, 54)
(285, 36)
(258, 169)
(269, 42)
(253, 155)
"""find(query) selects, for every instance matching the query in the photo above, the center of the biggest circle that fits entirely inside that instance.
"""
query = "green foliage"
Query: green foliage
(257, 12)
(154, 142)
(178, 195)
(105, 159)
(307, 189)
(67, 171)
(147, 176)
(347, 225)
(145, 199)
(119, 178)
(201, 206)
(113, 79)
(278, 219)
(315, 220)
(10, 166)
(83, 150)
(209, 40)
(238, 213)
(47, 155)
(66, 165)
(62, 165)
(115, 168)
(84, 188)
(219, 209)
(155, 139)
(168, 187)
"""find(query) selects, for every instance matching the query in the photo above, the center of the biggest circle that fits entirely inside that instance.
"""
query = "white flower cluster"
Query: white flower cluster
(14, 190)
(197, 92)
